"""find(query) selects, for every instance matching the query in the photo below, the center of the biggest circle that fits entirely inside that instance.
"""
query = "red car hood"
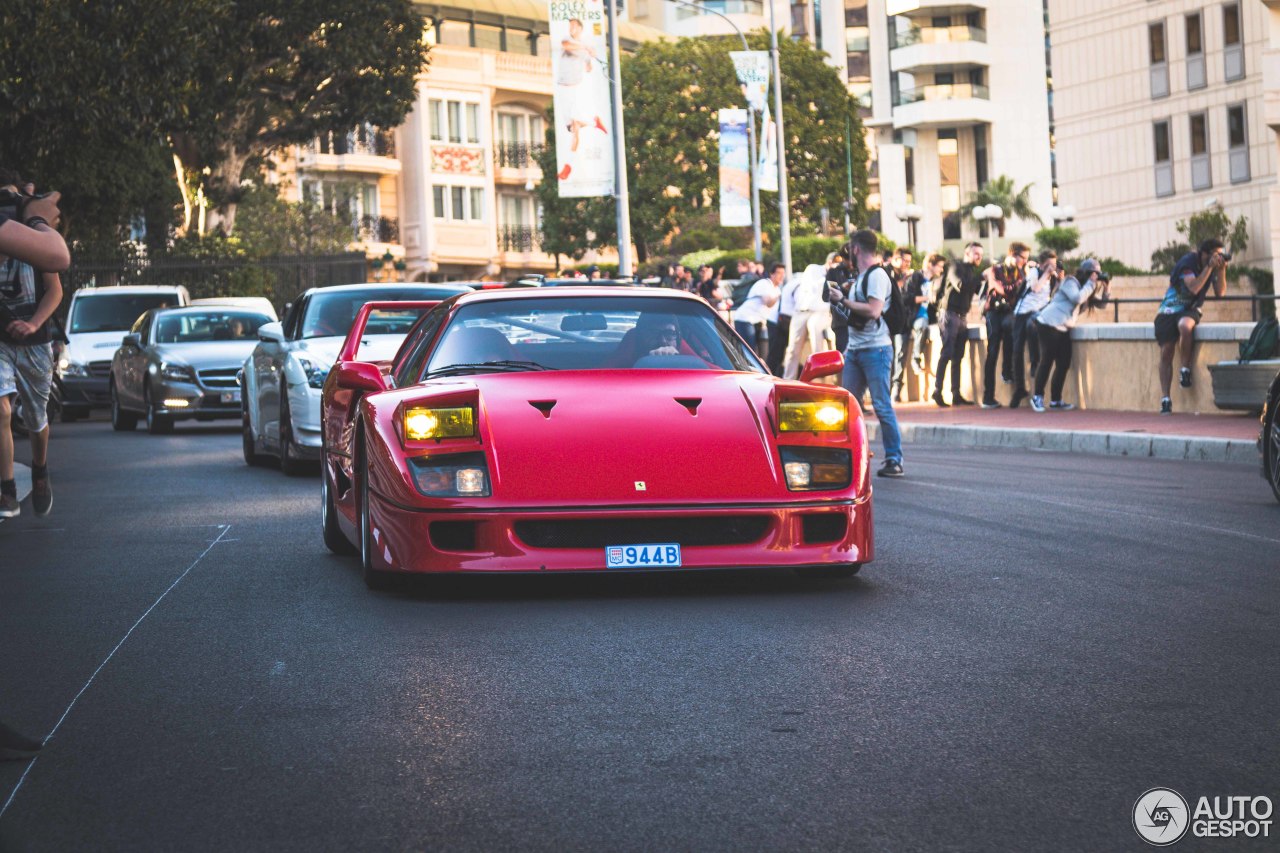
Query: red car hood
(630, 436)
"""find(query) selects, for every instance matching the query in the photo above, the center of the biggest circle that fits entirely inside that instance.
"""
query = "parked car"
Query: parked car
(513, 432)
(284, 373)
(261, 304)
(1269, 437)
(96, 319)
(181, 364)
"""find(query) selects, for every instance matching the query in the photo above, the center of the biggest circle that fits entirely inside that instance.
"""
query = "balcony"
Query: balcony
(943, 105)
(364, 150)
(923, 47)
(517, 238)
(377, 229)
(517, 155)
(935, 7)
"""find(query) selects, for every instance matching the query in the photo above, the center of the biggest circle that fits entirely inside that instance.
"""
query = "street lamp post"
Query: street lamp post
(1063, 213)
(991, 214)
(910, 214)
(751, 134)
(784, 202)
(622, 193)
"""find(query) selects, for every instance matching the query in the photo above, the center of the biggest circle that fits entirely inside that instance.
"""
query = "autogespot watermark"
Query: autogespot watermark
(1161, 817)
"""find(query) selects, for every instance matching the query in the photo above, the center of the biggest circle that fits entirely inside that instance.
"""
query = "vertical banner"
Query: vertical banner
(768, 171)
(752, 67)
(735, 169)
(580, 72)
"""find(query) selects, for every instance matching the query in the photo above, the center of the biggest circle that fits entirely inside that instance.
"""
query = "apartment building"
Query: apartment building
(954, 93)
(1161, 110)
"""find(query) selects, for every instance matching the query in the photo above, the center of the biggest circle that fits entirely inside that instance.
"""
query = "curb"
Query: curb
(1183, 447)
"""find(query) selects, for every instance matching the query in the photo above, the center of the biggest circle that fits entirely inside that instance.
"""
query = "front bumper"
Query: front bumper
(204, 404)
(782, 536)
(86, 391)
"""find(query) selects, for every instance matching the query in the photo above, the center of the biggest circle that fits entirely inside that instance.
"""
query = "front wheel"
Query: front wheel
(373, 578)
(121, 421)
(157, 424)
(248, 444)
(291, 462)
(1271, 445)
(842, 570)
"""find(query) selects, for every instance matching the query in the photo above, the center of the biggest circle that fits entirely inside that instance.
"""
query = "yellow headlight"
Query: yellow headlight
(813, 416)
(422, 424)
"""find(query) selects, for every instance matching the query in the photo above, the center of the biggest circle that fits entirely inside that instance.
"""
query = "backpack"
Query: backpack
(895, 314)
(742, 289)
(1264, 341)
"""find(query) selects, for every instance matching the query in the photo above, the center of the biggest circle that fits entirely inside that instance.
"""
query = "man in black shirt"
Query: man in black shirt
(964, 281)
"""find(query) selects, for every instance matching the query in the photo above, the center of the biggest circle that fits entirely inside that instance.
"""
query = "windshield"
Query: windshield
(330, 314)
(115, 312)
(200, 326)
(588, 333)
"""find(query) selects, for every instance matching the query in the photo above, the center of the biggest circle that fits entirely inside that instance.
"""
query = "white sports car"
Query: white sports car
(283, 376)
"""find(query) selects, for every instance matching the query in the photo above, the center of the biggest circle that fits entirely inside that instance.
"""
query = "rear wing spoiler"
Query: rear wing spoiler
(351, 345)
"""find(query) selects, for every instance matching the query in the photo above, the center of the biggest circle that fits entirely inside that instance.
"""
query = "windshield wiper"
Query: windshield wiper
(509, 366)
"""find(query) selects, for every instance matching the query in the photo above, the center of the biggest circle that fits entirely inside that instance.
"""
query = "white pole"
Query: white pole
(784, 202)
(621, 193)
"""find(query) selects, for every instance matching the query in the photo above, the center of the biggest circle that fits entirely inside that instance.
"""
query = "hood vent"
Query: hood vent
(544, 406)
(690, 403)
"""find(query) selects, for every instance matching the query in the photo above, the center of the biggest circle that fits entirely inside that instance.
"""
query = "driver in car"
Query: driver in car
(654, 334)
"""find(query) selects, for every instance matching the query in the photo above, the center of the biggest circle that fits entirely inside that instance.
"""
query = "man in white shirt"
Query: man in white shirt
(809, 322)
(868, 359)
(750, 317)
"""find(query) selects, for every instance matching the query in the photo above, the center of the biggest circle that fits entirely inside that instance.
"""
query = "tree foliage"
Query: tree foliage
(1062, 239)
(1002, 192)
(570, 226)
(1211, 223)
(267, 225)
(672, 92)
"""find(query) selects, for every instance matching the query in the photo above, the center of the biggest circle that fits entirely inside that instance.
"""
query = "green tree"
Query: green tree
(1001, 191)
(570, 226)
(267, 225)
(1211, 223)
(673, 91)
(1064, 240)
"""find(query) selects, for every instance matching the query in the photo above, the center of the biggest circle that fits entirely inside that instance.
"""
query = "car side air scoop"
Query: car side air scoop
(690, 403)
(544, 406)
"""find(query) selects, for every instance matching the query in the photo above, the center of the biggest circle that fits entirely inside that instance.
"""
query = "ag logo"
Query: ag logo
(1161, 817)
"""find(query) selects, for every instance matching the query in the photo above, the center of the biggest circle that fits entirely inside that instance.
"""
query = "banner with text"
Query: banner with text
(735, 169)
(584, 123)
(753, 73)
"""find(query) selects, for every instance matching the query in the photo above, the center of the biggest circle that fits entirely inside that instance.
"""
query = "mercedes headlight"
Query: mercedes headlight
(67, 367)
(177, 372)
(813, 416)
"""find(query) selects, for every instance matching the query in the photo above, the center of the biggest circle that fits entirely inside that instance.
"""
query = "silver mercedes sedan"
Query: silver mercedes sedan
(181, 363)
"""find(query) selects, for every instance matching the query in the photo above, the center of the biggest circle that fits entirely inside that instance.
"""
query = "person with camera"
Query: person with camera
(1042, 279)
(28, 298)
(1179, 312)
(902, 273)
(840, 274)
(1089, 287)
(919, 294)
(964, 281)
(868, 357)
(1004, 284)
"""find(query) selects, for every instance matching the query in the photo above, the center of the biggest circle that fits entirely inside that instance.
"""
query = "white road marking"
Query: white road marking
(107, 659)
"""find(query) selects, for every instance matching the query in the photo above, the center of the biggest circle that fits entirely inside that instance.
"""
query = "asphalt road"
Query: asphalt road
(1041, 639)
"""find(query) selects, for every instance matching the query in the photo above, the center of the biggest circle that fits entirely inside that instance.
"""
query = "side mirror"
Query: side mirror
(271, 333)
(360, 376)
(133, 339)
(820, 364)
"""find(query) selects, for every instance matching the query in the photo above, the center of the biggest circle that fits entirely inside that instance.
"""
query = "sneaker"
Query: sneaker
(1061, 406)
(9, 506)
(1018, 397)
(991, 404)
(41, 495)
(890, 468)
(1166, 406)
(1037, 403)
(957, 400)
(16, 747)
(1184, 377)
(937, 398)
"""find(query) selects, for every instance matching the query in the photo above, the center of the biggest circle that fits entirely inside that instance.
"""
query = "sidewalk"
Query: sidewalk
(1208, 437)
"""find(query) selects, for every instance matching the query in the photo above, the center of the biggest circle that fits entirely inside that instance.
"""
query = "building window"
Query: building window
(475, 210)
(458, 204)
(1201, 177)
(1159, 60)
(437, 203)
(455, 33)
(949, 182)
(447, 121)
(980, 154)
(455, 121)
(1232, 42)
(1238, 144)
(473, 123)
(435, 108)
(1196, 78)
(488, 37)
(1163, 159)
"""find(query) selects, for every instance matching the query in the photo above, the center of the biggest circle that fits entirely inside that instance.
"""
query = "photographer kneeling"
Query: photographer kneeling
(1054, 324)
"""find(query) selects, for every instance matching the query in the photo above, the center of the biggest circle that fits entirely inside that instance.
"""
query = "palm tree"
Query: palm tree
(1000, 192)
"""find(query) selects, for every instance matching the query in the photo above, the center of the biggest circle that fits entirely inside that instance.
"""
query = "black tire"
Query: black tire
(843, 570)
(157, 424)
(373, 579)
(121, 421)
(334, 539)
(252, 457)
(291, 463)
(1271, 446)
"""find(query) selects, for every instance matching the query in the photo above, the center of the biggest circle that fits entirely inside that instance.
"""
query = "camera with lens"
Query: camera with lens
(1104, 276)
(1226, 256)
(13, 203)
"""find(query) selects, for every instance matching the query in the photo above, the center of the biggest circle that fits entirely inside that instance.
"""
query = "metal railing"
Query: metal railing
(1254, 299)
(517, 238)
(377, 143)
(517, 155)
(378, 229)
(942, 92)
(935, 35)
